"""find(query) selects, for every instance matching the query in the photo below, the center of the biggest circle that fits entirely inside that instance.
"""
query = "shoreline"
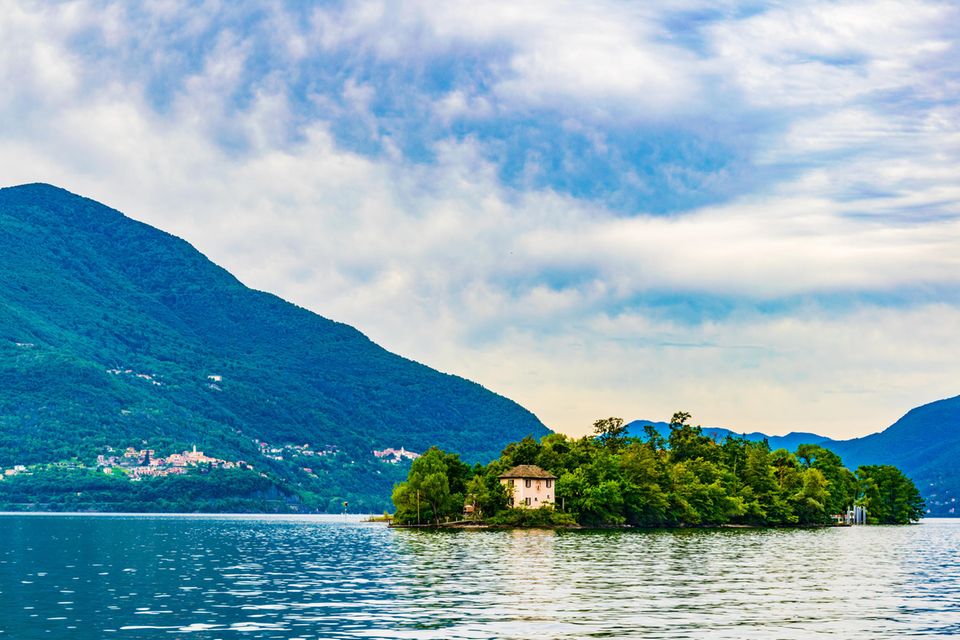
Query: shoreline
(459, 526)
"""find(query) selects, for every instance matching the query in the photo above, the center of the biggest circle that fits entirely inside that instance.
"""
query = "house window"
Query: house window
(549, 483)
(527, 501)
(510, 482)
(528, 482)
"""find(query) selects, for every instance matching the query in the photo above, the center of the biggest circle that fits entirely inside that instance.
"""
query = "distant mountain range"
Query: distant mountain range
(789, 441)
(116, 334)
(924, 443)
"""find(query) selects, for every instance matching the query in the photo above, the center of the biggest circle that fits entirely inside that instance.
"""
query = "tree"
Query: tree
(426, 494)
(654, 440)
(611, 432)
(688, 442)
(841, 483)
(486, 494)
(679, 419)
(523, 452)
(810, 498)
(889, 496)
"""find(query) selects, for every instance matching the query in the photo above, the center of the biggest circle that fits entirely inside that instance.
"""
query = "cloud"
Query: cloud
(612, 60)
(591, 208)
(814, 370)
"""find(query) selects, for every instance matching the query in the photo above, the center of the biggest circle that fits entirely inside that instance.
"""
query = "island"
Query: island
(685, 479)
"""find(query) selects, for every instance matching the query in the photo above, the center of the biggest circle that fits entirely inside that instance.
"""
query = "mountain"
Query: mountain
(116, 334)
(790, 441)
(924, 444)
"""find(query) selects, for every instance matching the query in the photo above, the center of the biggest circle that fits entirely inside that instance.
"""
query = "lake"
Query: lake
(233, 577)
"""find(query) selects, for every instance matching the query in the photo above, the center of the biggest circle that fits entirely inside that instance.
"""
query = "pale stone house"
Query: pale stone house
(529, 486)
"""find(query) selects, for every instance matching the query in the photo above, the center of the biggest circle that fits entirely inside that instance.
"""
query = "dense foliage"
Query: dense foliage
(685, 479)
(924, 444)
(234, 491)
(113, 333)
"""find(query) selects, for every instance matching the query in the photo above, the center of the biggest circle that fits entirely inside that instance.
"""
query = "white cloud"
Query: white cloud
(610, 59)
(827, 53)
(839, 374)
(546, 298)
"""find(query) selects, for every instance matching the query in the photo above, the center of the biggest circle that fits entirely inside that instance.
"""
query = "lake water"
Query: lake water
(130, 577)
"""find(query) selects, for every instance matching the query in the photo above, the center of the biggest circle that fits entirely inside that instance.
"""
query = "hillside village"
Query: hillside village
(136, 464)
(142, 463)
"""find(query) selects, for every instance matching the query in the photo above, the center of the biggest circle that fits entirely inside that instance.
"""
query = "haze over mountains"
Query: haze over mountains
(113, 333)
(924, 444)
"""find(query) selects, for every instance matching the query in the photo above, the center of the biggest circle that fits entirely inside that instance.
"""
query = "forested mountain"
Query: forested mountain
(116, 334)
(924, 443)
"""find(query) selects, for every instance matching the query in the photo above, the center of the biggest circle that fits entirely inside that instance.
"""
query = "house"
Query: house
(529, 486)
(394, 456)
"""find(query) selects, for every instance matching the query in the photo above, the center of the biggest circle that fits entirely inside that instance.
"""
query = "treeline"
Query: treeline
(219, 491)
(201, 490)
(684, 479)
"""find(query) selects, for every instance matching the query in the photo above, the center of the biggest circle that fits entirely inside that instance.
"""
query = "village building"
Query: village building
(394, 456)
(529, 486)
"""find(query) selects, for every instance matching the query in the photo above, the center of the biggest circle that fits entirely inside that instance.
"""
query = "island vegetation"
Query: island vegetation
(683, 479)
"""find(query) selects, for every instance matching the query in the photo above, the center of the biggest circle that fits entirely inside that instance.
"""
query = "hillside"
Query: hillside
(116, 334)
(925, 443)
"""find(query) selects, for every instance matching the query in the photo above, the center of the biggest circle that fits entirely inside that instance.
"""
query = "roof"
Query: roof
(527, 471)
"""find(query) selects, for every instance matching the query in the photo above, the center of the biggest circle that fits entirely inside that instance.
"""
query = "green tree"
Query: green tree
(889, 496)
(841, 482)
(523, 452)
(426, 494)
(810, 497)
(688, 442)
(487, 495)
(611, 432)
(654, 440)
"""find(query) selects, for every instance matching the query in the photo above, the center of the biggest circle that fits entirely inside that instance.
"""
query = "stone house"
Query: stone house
(529, 486)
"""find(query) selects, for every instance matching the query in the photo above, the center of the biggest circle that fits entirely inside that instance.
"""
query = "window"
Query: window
(528, 482)
(510, 482)
(549, 483)
(527, 500)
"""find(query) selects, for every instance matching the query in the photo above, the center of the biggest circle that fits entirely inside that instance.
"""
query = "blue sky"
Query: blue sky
(750, 211)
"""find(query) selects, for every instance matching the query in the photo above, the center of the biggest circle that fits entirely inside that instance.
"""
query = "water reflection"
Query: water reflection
(162, 577)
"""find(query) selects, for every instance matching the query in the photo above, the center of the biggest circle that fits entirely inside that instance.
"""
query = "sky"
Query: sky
(745, 210)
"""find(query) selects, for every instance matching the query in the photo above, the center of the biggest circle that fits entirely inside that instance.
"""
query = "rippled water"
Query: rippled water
(323, 577)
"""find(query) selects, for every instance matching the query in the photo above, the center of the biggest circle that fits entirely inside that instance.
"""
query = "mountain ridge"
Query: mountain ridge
(85, 290)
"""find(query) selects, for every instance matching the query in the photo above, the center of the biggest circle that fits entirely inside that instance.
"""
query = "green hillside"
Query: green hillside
(116, 334)
(925, 443)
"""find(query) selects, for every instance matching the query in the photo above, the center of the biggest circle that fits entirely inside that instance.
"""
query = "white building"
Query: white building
(529, 486)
